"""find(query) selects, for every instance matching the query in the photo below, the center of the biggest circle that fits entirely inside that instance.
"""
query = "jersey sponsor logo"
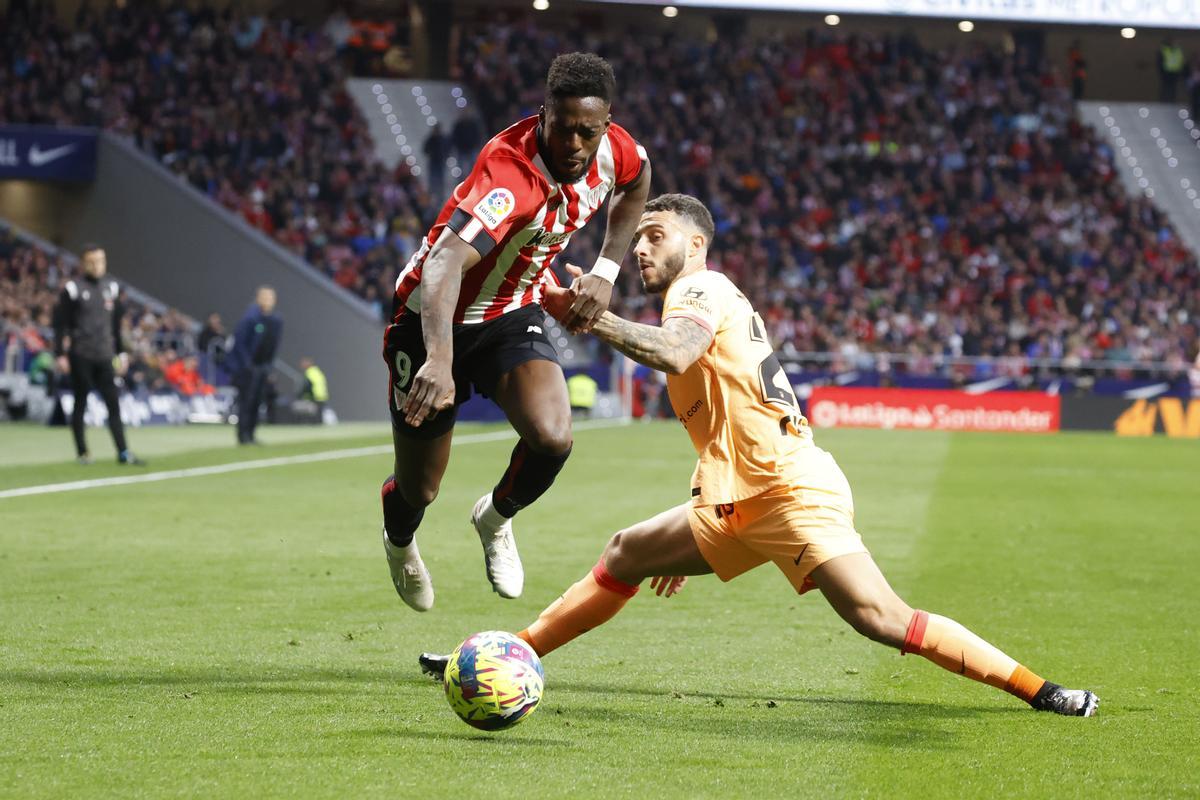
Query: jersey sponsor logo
(544, 238)
(696, 304)
(691, 412)
(494, 207)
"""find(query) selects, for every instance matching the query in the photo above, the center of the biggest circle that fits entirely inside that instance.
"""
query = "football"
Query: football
(493, 680)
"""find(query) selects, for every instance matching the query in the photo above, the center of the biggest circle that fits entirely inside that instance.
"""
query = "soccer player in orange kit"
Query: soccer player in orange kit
(762, 490)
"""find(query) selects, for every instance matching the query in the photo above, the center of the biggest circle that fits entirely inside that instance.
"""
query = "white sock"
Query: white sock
(489, 516)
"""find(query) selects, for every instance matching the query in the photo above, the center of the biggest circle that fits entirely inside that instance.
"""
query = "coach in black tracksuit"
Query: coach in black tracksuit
(87, 329)
(255, 343)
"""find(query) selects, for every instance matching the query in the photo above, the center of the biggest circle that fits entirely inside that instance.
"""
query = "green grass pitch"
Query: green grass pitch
(236, 635)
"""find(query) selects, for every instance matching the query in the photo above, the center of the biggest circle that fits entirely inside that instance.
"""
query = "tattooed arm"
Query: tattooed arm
(672, 348)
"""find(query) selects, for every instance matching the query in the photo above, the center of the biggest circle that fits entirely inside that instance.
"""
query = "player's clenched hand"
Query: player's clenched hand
(667, 584)
(432, 391)
(593, 294)
(556, 300)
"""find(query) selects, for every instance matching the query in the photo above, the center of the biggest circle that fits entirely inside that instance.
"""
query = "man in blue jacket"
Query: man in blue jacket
(255, 343)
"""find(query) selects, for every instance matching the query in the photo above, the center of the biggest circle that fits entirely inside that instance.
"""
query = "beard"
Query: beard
(666, 273)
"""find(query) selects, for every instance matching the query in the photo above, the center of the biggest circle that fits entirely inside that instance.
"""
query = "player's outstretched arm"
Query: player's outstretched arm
(672, 348)
(441, 279)
(593, 291)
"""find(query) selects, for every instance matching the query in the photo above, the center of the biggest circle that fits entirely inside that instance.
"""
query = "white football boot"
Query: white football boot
(409, 575)
(504, 568)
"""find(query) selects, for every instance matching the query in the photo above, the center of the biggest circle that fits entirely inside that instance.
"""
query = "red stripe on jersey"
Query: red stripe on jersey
(508, 288)
(472, 282)
(527, 295)
(504, 293)
(409, 283)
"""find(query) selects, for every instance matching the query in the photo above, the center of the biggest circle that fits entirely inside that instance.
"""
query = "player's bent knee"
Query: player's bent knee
(420, 495)
(880, 623)
(621, 559)
(551, 438)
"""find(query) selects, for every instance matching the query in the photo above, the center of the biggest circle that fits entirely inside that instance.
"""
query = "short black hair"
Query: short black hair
(689, 208)
(580, 75)
(88, 247)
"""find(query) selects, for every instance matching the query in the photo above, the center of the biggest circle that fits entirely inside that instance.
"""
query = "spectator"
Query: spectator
(315, 388)
(183, 374)
(1170, 69)
(255, 343)
(437, 150)
(1077, 65)
(466, 137)
(212, 333)
(581, 391)
(1193, 87)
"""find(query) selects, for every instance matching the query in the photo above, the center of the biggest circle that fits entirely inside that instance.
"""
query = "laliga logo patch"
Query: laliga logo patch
(494, 207)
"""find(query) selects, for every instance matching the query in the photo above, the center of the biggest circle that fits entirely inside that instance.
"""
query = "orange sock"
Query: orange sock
(589, 603)
(952, 647)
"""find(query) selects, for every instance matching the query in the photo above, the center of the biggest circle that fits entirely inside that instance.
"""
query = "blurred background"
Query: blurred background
(966, 219)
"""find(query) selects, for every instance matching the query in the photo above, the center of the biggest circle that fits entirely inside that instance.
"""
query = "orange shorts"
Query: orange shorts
(798, 527)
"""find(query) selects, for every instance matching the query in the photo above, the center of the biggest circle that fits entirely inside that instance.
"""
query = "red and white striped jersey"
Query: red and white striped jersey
(519, 218)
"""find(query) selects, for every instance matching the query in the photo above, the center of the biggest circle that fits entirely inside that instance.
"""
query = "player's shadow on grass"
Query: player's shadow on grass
(909, 707)
(222, 679)
(893, 725)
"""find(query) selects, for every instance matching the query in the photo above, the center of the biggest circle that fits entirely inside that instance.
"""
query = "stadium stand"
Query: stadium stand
(927, 204)
(160, 341)
(268, 131)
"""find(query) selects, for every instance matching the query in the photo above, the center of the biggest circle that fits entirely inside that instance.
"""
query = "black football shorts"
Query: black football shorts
(482, 353)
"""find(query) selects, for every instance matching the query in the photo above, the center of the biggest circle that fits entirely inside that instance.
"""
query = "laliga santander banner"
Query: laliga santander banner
(933, 410)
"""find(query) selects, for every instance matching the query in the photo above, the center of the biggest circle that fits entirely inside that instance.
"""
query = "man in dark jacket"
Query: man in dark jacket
(255, 343)
(87, 337)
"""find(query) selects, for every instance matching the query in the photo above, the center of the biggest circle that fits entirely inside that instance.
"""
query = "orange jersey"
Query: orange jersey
(736, 402)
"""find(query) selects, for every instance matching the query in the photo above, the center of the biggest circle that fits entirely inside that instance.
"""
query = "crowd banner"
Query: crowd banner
(933, 409)
(1175, 417)
(43, 153)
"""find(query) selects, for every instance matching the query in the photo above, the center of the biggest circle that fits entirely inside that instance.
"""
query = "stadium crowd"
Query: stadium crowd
(249, 110)
(160, 347)
(870, 194)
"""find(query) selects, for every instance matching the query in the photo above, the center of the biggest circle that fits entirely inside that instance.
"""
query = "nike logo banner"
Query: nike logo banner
(36, 152)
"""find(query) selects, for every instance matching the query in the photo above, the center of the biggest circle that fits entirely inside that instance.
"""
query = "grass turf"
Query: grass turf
(236, 635)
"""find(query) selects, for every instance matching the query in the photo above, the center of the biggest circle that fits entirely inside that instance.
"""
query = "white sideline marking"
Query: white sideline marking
(264, 463)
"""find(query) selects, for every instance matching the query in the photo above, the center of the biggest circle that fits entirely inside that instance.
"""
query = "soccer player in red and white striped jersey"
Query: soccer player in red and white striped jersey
(467, 314)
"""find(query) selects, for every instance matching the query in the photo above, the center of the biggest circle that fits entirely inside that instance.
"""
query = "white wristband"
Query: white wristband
(607, 269)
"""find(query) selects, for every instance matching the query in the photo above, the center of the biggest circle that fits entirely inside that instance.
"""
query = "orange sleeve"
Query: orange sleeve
(695, 299)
